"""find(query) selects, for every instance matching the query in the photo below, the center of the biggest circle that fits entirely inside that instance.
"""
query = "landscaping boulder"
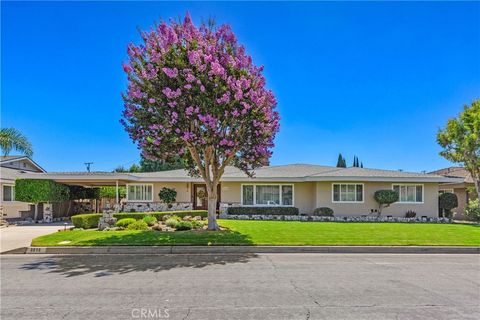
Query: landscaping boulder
(107, 220)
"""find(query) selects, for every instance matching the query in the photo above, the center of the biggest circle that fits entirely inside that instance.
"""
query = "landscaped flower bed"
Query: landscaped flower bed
(90, 221)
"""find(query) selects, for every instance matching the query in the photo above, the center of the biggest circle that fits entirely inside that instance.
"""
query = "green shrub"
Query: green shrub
(167, 195)
(410, 214)
(86, 221)
(172, 222)
(472, 211)
(289, 211)
(196, 224)
(183, 225)
(323, 211)
(150, 220)
(138, 225)
(385, 198)
(125, 222)
(446, 202)
(37, 190)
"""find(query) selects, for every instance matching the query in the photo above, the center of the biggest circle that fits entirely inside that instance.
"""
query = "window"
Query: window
(445, 191)
(267, 195)
(139, 192)
(8, 193)
(347, 192)
(409, 193)
(247, 195)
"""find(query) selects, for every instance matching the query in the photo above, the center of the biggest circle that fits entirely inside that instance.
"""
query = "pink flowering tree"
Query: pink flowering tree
(194, 92)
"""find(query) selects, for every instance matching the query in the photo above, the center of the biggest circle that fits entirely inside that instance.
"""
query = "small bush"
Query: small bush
(446, 202)
(172, 222)
(86, 221)
(123, 223)
(138, 225)
(150, 220)
(323, 211)
(196, 224)
(385, 198)
(288, 211)
(167, 195)
(410, 214)
(472, 211)
(183, 225)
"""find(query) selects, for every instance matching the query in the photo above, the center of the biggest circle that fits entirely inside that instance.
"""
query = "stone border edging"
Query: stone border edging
(246, 249)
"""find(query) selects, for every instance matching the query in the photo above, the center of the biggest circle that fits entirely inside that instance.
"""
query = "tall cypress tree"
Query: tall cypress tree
(341, 161)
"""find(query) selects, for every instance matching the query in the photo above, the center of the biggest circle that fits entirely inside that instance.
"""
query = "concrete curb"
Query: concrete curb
(245, 249)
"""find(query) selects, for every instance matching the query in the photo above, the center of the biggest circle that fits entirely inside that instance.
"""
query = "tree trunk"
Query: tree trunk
(477, 187)
(212, 209)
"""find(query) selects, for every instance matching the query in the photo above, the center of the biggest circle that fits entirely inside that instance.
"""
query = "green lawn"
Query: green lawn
(280, 233)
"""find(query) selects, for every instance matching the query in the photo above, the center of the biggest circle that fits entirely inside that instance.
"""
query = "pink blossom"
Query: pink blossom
(171, 73)
(127, 68)
(151, 100)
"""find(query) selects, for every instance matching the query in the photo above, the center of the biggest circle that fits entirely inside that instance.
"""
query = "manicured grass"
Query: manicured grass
(280, 233)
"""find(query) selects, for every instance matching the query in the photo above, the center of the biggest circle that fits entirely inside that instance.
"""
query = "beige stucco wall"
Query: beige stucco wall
(303, 193)
(11, 209)
(183, 190)
(311, 195)
(429, 207)
(461, 191)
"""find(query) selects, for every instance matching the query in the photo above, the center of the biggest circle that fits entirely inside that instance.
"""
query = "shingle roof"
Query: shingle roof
(8, 174)
(455, 172)
(292, 172)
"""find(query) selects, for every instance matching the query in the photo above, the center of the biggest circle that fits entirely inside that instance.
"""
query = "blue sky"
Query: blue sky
(371, 79)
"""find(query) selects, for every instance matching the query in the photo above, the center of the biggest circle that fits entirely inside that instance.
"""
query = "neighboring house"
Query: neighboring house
(348, 191)
(465, 189)
(11, 168)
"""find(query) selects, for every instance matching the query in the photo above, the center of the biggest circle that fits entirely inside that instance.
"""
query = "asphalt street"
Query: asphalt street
(243, 286)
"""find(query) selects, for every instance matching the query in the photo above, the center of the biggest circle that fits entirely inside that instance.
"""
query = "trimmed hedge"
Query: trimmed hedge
(86, 221)
(37, 190)
(281, 211)
(90, 220)
(323, 211)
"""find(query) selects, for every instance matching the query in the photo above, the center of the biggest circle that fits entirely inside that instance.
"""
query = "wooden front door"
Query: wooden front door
(200, 201)
(200, 197)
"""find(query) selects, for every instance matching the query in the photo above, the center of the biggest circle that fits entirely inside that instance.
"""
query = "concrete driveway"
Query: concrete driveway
(14, 237)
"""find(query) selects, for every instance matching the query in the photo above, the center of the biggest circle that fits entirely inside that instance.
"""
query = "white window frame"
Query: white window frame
(139, 184)
(13, 192)
(267, 184)
(410, 185)
(440, 191)
(351, 183)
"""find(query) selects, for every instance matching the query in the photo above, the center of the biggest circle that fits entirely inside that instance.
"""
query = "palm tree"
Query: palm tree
(11, 138)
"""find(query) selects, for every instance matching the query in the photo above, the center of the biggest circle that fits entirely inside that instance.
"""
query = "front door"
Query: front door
(200, 197)
(200, 200)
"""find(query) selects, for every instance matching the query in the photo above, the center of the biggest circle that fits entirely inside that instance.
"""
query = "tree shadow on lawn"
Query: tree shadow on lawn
(110, 264)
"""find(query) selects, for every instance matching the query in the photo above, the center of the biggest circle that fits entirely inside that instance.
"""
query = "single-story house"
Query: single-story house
(348, 191)
(464, 189)
(11, 168)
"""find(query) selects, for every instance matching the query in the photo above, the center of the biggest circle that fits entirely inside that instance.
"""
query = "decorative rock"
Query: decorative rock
(423, 219)
(155, 206)
(47, 212)
(107, 221)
